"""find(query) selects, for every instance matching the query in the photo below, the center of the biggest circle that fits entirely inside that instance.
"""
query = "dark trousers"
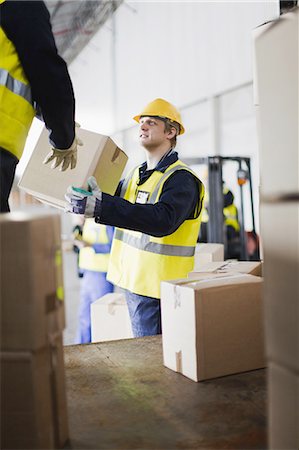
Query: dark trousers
(145, 314)
(8, 164)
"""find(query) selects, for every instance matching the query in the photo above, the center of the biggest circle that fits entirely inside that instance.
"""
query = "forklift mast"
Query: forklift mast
(216, 230)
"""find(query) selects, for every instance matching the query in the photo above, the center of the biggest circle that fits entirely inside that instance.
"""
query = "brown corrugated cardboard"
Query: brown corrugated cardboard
(283, 408)
(58, 391)
(99, 156)
(213, 327)
(110, 318)
(32, 304)
(247, 267)
(33, 399)
(280, 231)
(205, 253)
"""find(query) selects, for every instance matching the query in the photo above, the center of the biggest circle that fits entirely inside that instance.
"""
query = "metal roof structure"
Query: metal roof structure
(74, 22)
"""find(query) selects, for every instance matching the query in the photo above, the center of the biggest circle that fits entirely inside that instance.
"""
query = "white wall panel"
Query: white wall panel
(186, 52)
(182, 51)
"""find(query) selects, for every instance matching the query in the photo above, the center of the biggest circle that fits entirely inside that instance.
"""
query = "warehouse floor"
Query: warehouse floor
(120, 396)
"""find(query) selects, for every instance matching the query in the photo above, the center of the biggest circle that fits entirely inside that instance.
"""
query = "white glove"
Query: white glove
(64, 157)
(85, 202)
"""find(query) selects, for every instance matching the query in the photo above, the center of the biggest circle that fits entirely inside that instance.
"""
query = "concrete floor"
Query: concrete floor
(121, 397)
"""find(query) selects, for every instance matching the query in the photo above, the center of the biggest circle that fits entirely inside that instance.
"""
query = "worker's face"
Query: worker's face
(152, 132)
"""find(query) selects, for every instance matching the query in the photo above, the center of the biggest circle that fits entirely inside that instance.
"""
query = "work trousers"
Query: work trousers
(145, 314)
(93, 286)
(8, 164)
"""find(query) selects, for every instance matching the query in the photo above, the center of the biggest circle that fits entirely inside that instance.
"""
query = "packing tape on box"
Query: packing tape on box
(112, 308)
(177, 298)
(223, 276)
(178, 362)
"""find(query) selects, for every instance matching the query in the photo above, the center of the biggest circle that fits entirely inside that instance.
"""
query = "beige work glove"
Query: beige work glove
(64, 157)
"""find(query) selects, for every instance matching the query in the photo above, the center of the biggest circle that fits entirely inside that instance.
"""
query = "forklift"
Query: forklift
(244, 245)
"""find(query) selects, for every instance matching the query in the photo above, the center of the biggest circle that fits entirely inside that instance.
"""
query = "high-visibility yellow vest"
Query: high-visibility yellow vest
(230, 213)
(16, 106)
(94, 233)
(138, 261)
(231, 217)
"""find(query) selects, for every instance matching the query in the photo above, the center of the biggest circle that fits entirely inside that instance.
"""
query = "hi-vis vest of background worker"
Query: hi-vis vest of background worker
(230, 213)
(93, 233)
(139, 262)
(16, 108)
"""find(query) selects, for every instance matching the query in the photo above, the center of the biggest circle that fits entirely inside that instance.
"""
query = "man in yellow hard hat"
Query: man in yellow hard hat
(32, 77)
(157, 212)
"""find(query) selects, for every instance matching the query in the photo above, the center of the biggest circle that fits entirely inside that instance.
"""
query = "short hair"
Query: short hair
(169, 124)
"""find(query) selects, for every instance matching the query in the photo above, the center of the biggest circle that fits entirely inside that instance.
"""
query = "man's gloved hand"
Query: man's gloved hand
(85, 202)
(64, 157)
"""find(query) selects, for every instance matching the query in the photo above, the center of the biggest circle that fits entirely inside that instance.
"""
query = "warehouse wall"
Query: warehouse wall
(197, 55)
(184, 51)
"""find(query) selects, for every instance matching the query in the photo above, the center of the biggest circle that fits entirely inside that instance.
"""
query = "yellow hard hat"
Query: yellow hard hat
(161, 108)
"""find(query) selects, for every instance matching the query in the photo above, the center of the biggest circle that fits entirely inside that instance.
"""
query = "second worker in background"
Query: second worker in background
(157, 212)
(95, 246)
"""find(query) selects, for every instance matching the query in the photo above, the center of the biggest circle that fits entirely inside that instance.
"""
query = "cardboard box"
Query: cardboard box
(99, 156)
(213, 327)
(58, 390)
(110, 318)
(230, 266)
(206, 253)
(33, 399)
(283, 407)
(280, 233)
(276, 85)
(32, 306)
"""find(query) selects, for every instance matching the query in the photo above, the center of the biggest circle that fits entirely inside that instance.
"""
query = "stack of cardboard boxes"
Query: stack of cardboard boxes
(33, 398)
(276, 84)
(212, 322)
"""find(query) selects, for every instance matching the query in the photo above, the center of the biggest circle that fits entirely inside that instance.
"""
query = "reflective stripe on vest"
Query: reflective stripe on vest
(94, 233)
(139, 262)
(16, 109)
(15, 86)
(144, 243)
(154, 195)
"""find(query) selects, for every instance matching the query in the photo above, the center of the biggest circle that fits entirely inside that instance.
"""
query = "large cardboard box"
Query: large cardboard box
(276, 85)
(33, 399)
(213, 326)
(205, 253)
(283, 407)
(99, 156)
(280, 231)
(247, 267)
(32, 306)
(110, 318)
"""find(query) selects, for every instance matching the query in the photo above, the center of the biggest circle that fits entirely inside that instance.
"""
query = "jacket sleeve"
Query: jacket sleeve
(178, 202)
(27, 25)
